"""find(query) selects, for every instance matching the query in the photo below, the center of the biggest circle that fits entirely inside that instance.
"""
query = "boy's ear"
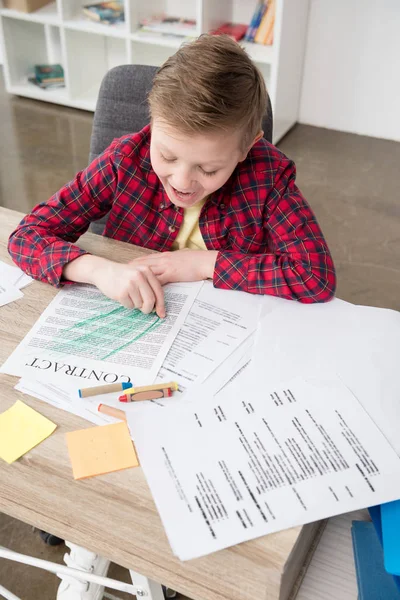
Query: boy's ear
(258, 137)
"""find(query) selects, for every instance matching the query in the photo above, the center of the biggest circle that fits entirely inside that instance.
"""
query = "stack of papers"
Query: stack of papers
(287, 413)
(300, 423)
(84, 339)
(12, 280)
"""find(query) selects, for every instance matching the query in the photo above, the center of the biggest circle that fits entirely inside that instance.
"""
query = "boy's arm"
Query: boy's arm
(42, 244)
(298, 264)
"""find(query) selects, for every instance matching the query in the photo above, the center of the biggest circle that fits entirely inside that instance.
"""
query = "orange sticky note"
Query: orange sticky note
(99, 450)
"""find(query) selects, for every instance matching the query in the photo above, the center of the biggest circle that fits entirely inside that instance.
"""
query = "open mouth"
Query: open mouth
(183, 195)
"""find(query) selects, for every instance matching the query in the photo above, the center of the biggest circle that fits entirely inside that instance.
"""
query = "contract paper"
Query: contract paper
(218, 322)
(85, 339)
(258, 461)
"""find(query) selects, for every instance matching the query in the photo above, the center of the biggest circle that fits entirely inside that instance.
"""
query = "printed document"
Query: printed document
(361, 344)
(83, 338)
(258, 461)
(218, 322)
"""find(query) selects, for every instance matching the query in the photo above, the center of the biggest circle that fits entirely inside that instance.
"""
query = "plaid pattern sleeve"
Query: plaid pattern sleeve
(43, 242)
(296, 263)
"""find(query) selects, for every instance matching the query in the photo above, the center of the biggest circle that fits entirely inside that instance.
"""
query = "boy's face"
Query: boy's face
(192, 167)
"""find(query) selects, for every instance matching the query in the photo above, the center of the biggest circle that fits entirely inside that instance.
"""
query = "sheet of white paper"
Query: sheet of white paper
(48, 393)
(218, 322)
(256, 462)
(234, 370)
(9, 293)
(9, 274)
(359, 343)
(85, 339)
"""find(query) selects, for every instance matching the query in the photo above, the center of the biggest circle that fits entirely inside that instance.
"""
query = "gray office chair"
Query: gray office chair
(122, 108)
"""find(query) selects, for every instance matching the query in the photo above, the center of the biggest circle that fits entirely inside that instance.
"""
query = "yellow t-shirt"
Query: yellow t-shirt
(189, 235)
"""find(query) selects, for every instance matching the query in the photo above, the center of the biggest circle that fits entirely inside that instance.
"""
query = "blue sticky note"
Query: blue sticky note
(374, 583)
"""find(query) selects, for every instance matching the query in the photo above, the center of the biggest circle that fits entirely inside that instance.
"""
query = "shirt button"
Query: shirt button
(172, 228)
(162, 205)
(222, 206)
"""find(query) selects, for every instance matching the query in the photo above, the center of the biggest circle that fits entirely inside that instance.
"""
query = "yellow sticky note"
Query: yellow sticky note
(21, 429)
(99, 450)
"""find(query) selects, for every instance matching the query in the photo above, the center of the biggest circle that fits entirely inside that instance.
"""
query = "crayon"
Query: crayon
(172, 385)
(104, 389)
(112, 412)
(149, 395)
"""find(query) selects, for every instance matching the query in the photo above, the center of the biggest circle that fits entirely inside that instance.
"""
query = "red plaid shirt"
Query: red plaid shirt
(268, 239)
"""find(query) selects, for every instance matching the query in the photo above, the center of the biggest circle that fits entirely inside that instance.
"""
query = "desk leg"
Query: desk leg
(146, 588)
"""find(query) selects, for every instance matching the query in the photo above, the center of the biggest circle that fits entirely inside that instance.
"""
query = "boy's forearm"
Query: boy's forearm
(83, 268)
(309, 280)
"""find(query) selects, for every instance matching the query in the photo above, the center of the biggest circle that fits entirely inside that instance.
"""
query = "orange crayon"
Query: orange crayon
(112, 412)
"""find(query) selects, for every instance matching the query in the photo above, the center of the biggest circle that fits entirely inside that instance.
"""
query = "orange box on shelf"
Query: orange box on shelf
(25, 5)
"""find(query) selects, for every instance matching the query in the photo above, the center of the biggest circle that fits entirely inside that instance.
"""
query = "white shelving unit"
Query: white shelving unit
(59, 33)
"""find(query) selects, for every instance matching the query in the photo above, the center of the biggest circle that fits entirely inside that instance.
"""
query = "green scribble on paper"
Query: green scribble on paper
(119, 322)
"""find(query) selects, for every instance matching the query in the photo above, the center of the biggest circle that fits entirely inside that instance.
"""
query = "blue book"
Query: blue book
(381, 519)
(374, 583)
(256, 20)
(390, 521)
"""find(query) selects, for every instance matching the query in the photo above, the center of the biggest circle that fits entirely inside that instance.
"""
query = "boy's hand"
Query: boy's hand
(134, 286)
(181, 265)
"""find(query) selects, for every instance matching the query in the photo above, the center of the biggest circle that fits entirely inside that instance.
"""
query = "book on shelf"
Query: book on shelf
(265, 29)
(108, 13)
(261, 27)
(256, 20)
(49, 73)
(46, 86)
(170, 25)
(236, 31)
(47, 76)
(157, 37)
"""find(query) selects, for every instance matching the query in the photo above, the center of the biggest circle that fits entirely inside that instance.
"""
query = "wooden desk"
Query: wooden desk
(115, 515)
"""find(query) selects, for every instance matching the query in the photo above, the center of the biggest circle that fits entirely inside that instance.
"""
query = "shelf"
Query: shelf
(46, 14)
(258, 52)
(86, 100)
(24, 88)
(79, 24)
(60, 33)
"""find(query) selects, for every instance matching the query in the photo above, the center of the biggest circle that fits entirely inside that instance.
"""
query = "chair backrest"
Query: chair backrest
(122, 108)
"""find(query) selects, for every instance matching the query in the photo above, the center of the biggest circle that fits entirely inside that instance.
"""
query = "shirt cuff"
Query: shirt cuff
(54, 258)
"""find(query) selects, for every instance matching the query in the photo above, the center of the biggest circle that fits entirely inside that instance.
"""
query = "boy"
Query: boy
(199, 184)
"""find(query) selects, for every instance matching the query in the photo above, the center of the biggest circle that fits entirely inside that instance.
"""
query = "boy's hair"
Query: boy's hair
(210, 84)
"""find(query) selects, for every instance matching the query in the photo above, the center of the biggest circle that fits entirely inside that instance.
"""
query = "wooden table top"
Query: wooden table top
(114, 514)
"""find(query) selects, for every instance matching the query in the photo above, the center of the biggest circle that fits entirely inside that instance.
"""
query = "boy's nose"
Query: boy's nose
(183, 182)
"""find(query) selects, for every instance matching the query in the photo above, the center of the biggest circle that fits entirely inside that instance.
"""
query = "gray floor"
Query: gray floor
(350, 181)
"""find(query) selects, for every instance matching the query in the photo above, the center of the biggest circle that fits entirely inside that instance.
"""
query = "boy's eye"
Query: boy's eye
(170, 160)
(208, 173)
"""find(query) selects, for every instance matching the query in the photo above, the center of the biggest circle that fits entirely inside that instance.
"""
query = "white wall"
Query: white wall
(352, 67)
